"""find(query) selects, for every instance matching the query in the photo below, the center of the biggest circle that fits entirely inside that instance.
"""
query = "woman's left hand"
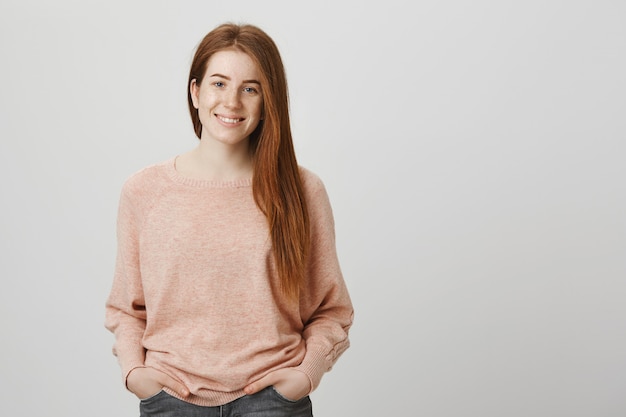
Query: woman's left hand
(290, 383)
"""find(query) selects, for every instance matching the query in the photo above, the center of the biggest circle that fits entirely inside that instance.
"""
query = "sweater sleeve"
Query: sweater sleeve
(325, 304)
(125, 313)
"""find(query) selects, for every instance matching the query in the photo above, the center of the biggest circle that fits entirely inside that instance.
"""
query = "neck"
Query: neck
(212, 160)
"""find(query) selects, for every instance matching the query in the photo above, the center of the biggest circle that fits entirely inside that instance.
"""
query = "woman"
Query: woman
(227, 296)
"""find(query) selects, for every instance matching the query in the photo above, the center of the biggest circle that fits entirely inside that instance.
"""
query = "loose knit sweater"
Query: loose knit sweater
(195, 292)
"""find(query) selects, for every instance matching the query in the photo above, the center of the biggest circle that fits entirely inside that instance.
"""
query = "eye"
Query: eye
(250, 90)
(218, 84)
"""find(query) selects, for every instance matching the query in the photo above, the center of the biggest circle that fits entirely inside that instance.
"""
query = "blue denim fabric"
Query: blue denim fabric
(266, 403)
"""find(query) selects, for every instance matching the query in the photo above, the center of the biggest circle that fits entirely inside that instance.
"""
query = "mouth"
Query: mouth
(229, 120)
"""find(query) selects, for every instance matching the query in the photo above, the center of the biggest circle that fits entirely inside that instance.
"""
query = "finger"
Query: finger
(175, 385)
(260, 384)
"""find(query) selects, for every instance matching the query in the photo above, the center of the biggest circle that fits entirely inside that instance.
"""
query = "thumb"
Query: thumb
(260, 384)
(175, 385)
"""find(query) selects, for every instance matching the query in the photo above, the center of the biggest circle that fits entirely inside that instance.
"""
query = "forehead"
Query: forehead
(232, 63)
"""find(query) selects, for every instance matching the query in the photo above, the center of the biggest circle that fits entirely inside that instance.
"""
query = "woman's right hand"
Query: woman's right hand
(145, 382)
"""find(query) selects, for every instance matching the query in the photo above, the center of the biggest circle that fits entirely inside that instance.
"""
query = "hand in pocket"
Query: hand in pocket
(145, 382)
(290, 383)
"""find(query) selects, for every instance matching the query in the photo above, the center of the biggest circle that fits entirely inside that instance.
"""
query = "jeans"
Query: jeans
(266, 403)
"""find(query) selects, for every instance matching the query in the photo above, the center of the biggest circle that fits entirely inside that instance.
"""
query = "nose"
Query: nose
(232, 98)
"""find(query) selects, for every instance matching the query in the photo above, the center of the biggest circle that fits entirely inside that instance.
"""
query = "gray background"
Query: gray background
(473, 153)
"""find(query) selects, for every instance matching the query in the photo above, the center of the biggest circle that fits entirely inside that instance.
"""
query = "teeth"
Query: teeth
(227, 120)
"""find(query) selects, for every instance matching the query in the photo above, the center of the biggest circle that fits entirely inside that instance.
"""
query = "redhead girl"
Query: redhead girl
(228, 298)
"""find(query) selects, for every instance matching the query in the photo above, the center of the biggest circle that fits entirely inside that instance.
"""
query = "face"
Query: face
(229, 99)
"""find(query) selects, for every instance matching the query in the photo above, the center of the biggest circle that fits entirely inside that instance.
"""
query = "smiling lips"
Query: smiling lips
(228, 119)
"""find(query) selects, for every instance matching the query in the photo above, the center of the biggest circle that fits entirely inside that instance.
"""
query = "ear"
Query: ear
(194, 90)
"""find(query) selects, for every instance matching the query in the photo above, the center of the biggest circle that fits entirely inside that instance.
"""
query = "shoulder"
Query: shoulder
(311, 182)
(151, 177)
(145, 186)
(316, 195)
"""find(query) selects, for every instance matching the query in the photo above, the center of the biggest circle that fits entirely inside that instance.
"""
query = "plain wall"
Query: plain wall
(474, 154)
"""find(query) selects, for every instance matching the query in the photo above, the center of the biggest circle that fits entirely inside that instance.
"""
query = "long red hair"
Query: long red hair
(276, 185)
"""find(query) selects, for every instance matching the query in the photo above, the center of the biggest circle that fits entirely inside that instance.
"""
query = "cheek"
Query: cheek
(206, 99)
(258, 108)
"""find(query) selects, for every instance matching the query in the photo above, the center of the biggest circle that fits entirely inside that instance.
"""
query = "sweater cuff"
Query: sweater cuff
(314, 365)
(130, 369)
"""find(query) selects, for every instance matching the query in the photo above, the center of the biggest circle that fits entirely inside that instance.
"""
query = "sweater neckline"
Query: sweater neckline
(170, 166)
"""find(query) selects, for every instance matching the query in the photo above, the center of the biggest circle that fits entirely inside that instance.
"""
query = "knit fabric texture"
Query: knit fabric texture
(195, 293)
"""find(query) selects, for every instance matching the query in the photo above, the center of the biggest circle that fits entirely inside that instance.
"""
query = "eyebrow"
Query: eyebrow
(228, 78)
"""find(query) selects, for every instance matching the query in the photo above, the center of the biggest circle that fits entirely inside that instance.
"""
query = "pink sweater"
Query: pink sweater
(195, 293)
